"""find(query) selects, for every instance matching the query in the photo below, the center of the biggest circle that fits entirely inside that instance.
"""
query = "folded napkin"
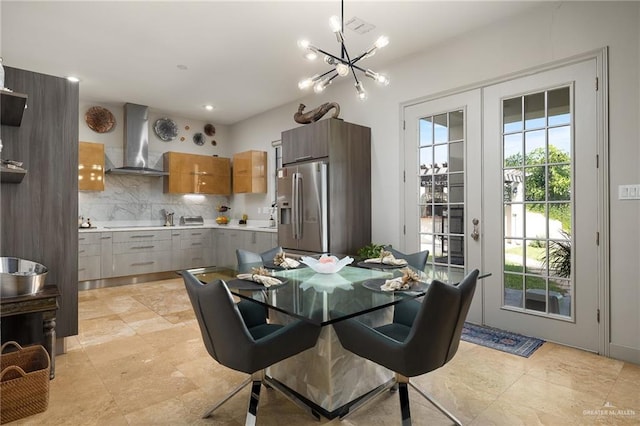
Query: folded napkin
(405, 282)
(387, 258)
(284, 262)
(265, 280)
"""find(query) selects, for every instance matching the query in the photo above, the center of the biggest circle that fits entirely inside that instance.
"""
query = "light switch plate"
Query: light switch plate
(628, 192)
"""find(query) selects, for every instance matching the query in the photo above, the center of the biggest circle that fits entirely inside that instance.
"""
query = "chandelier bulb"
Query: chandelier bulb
(381, 42)
(311, 55)
(336, 25)
(362, 95)
(304, 44)
(306, 83)
(321, 85)
(342, 70)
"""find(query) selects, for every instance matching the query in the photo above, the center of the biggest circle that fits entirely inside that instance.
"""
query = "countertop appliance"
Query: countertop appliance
(303, 207)
(191, 220)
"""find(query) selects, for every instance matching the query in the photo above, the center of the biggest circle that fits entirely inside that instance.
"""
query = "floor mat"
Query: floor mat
(501, 340)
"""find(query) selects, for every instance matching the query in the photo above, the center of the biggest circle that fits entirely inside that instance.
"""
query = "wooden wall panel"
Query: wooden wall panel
(39, 215)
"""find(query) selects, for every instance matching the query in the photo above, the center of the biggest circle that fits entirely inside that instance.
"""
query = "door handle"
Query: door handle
(475, 234)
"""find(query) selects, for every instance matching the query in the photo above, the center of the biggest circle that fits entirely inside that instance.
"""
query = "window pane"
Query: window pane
(534, 111)
(513, 150)
(534, 145)
(559, 183)
(513, 285)
(534, 183)
(456, 126)
(426, 131)
(560, 297)
(456, 157)
(456, 188)
(512, 114)
(536, 226)
(535, 251)
(559, 106)
(536, 294)
(456, 249)
(559, 220)
(441, 133)
(456, 219)
(512, 185)
(513, 220)
(441, 155)
(560, 144)
(426, 160)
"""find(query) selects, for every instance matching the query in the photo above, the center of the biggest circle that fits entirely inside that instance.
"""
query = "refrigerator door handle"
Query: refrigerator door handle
(296, 206)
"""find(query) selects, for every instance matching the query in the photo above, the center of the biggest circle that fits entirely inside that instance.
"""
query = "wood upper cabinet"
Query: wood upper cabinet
(250, 172)
(197, 174)
(91, 166)
(310, 141)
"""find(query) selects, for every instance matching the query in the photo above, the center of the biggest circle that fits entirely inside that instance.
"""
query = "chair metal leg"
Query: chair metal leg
(437, 405)
(403, 394)
(226, 398)
(252, 411)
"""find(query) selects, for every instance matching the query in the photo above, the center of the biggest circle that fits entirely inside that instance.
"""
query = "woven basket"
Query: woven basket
(24, 382)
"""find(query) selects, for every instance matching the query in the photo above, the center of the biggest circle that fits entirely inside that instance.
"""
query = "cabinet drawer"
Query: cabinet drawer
(142, 246)
(122, 237)
(89, 237)
(89, 250)
(140, 263)
(89, 268)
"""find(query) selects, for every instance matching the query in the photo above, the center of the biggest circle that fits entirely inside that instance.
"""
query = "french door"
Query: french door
(540, 176)
(442, 194)
(504, 178)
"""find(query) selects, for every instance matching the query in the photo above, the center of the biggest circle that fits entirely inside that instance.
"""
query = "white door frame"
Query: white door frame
(602, 126)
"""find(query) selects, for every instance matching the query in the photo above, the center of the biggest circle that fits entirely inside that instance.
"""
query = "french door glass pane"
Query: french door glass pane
(538, 173)
(442, 198)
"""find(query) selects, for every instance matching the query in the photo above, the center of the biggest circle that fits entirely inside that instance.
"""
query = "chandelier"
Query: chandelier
(341, 65)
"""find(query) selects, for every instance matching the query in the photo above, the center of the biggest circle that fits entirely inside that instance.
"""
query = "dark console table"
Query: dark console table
(46, 302)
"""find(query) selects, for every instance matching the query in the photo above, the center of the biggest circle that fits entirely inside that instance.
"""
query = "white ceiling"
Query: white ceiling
(240, 56)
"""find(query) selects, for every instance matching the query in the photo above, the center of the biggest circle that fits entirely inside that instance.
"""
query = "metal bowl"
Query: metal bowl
(19, 277)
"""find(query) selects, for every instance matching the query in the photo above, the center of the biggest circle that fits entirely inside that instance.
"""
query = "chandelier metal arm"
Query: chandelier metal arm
(340, 63)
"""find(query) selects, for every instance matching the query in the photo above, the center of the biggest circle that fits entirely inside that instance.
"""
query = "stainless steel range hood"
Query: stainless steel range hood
(136, 143)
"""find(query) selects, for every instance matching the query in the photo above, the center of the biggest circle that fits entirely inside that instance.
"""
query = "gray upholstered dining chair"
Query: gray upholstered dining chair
(248, 259)
(239, 337)
(418, 260)
(415, 345)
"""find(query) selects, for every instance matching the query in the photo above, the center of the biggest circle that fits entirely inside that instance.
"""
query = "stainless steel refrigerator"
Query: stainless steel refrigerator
(303, 207)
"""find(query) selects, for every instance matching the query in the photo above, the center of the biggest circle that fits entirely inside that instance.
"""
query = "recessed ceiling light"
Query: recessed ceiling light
(73, 79)
(208, 107)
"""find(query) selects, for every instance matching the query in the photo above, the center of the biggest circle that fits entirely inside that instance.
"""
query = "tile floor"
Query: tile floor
(139, 360)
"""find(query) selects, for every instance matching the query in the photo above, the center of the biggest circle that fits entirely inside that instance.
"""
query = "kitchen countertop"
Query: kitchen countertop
(133, 227)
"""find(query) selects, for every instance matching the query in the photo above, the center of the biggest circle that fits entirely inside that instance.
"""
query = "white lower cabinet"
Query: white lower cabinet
(123, 253)
(89, 256)
(192, 248)
(228, 240)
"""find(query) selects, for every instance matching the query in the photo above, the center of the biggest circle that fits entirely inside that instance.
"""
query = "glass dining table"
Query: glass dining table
(327, 378)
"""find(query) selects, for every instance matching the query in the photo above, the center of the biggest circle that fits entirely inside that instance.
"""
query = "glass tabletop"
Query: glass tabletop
(321, 298)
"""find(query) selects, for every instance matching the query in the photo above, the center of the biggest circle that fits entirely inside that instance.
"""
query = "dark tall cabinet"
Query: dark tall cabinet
(346, 147)
(39, 214)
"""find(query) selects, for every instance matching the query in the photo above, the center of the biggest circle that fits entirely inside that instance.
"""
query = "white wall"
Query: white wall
(141, 198)
(552, 32)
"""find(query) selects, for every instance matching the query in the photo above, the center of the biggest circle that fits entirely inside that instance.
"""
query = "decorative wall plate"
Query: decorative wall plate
(166, 129)
(99, 119)
(198, 139)
(209, 130)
